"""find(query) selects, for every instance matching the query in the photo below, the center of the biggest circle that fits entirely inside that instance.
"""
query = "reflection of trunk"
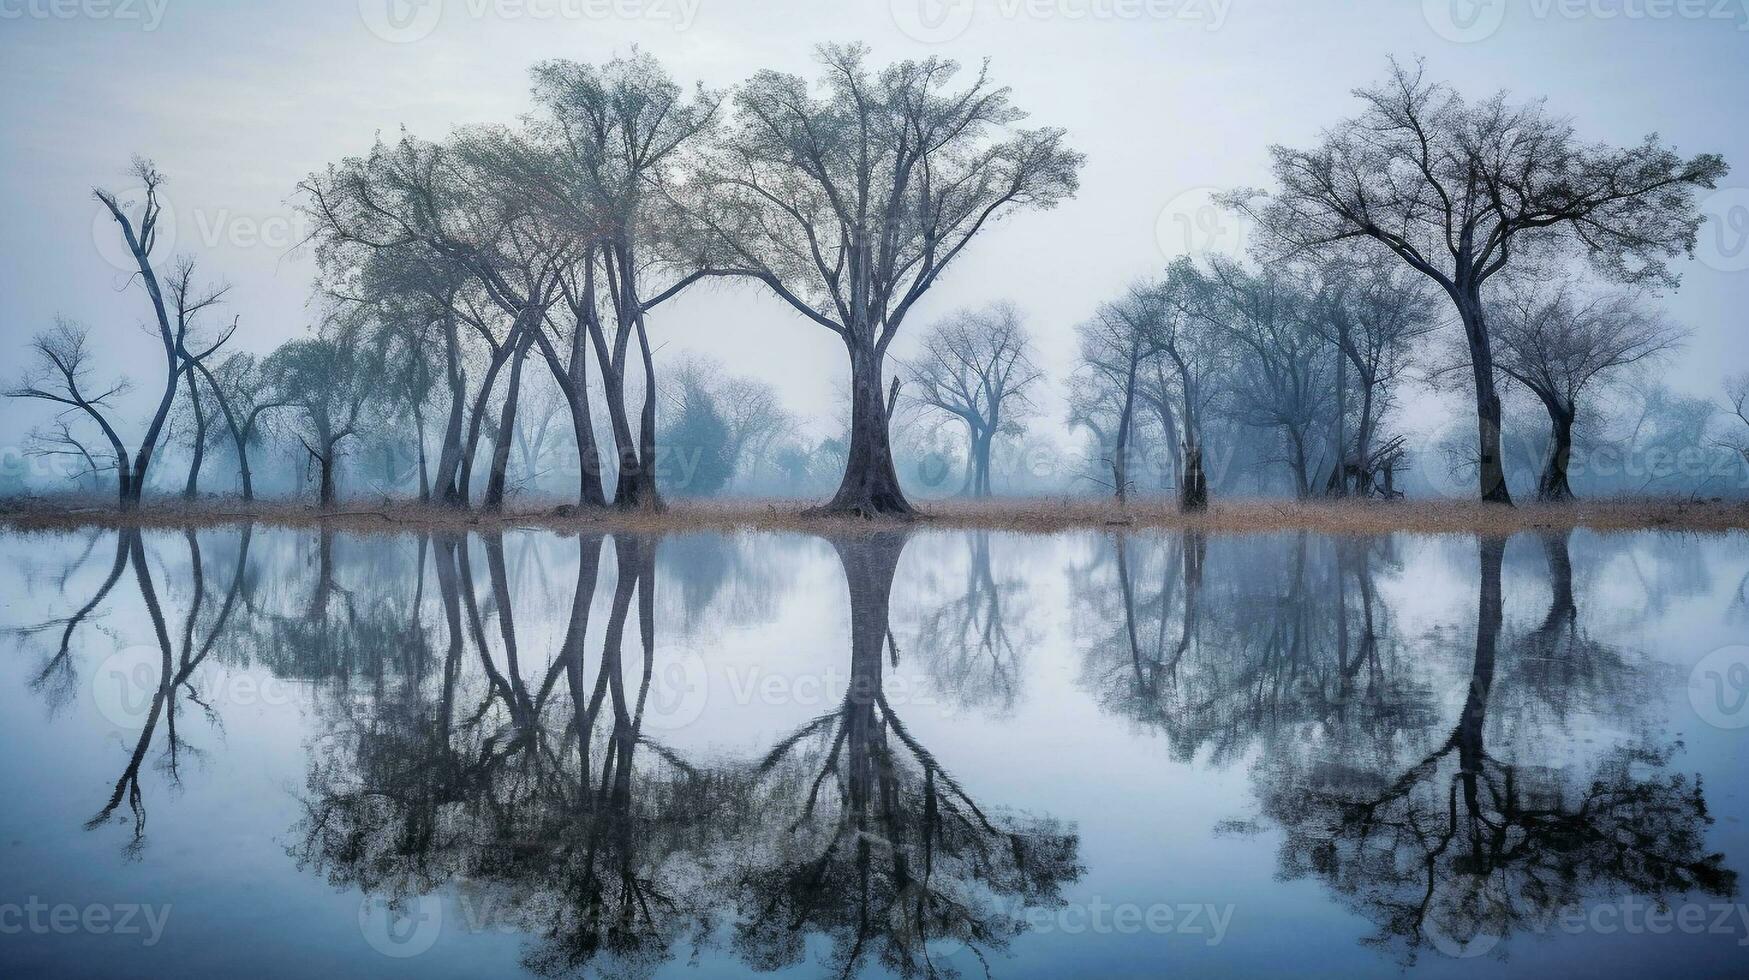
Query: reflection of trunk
(870, 486)
(1468, 736)
(869, 564)
(1563, 611)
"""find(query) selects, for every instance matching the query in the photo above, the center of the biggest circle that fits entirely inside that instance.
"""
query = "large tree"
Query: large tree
(1459, 190)
(617, 138)
(976, 366)
(851, 201)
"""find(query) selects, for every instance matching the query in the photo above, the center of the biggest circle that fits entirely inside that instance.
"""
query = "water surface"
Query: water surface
(888, 754)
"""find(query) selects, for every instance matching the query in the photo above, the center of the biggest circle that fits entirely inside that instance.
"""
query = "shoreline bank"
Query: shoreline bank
(1022, 515)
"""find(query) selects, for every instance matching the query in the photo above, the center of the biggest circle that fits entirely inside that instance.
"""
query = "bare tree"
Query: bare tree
(619, 135)
(1559, 339)
(1122, 336)
(1375, 311)
(850, 204)
(1458, 190)
(976, 366)
(1737, 403)
(62, 374)
(62, 352)
(1285, 375)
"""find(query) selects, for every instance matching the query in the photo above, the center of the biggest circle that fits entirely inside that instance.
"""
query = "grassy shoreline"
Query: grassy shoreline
(1025, 515)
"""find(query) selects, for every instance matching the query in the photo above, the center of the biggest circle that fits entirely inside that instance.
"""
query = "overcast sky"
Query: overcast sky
(238, 100)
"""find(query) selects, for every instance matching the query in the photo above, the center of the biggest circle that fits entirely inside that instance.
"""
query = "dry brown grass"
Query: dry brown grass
(1028, 515)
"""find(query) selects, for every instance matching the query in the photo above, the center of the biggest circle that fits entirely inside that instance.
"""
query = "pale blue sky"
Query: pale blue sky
(236, 101)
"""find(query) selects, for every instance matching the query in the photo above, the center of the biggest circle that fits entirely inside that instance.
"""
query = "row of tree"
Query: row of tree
(458, 277)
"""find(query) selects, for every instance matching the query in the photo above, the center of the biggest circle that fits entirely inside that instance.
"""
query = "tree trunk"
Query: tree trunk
(645, 493)
(419, 440)
(1120, 453)
(191, 488)
(589, 491)
(870, 487)
(1552, 485)
(449, 455)
(465, 467)
(238, 435)
(325, 496)
(1194, 494)
(1490, 466)
(983, 487)
(494, 499)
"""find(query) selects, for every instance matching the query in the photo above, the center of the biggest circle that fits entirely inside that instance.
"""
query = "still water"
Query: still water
(275, 753)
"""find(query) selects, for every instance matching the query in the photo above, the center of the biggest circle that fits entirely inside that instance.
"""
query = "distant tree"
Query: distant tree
(1558, 340)
(244, 397)
(326, 381)
(1376, 312)
(699, 442)
(850, 205)
(1121, 337)
(1737, 404)
(1459, 190)
(1284, 375)
(976, 366)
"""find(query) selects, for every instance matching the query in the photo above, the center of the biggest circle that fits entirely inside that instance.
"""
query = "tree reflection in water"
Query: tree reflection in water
(541, 797)
(461, 753)
(1299, 670)
(864, 836)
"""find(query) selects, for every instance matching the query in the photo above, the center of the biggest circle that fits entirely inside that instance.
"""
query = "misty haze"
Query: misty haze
(874, 488)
